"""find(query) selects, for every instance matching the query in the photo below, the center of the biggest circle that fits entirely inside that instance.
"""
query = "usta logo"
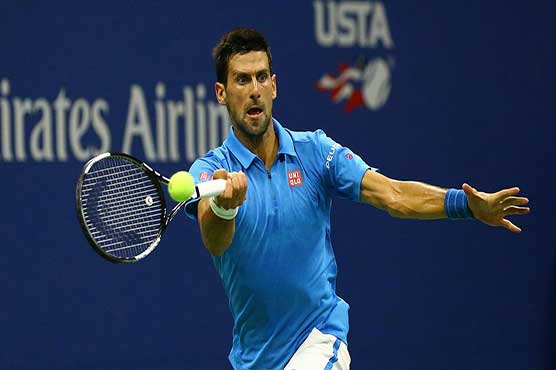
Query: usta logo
(352, 23)
(356, 24)
(366, 85)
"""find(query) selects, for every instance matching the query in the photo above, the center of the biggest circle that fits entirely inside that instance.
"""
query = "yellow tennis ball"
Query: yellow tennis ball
(181, 186)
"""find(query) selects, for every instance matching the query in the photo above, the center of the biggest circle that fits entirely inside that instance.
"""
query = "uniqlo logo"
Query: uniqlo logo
(294, 178)
(204, 176)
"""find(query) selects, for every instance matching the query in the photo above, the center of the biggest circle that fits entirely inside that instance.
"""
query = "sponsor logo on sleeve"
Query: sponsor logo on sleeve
(204, 176)
(330, 155)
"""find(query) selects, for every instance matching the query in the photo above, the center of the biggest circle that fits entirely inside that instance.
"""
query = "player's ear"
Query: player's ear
(274, 93)
(220, 91)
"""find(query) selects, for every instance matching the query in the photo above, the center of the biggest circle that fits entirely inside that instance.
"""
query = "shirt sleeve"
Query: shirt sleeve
(201, 170)
(343, 169)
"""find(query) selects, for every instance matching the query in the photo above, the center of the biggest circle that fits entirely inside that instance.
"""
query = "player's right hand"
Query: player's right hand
(236, 188)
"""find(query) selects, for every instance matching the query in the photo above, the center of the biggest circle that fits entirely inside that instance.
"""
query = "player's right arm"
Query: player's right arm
(218, 233)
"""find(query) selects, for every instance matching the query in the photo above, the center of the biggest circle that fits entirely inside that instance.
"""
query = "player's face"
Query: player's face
(248, 93)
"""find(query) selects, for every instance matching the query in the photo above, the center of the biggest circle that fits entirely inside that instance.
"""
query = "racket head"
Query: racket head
(120, 206)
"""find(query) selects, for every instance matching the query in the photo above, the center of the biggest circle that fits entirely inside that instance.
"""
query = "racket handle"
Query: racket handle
(210, 188)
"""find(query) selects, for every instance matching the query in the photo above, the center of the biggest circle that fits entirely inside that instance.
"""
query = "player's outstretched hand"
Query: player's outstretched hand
(493, 208)
(236, 188)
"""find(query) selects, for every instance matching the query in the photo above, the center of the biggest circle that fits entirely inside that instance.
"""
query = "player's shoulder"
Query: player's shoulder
(219, 153)
(217, 157)
(307, 137)
(316, 142)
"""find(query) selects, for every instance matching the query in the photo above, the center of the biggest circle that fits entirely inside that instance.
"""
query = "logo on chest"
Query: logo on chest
(295, 178)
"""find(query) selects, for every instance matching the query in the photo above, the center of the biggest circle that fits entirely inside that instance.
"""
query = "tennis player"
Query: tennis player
(269, 232)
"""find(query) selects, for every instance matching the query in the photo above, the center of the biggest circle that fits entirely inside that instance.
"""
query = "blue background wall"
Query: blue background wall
(471, 100)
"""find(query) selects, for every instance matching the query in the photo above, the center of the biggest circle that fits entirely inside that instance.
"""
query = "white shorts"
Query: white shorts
(320, 352)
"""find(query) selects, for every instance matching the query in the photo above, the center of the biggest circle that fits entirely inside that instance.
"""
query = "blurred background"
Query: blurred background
(435, 91)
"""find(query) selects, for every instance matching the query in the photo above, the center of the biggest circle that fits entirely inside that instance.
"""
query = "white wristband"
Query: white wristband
(226, 214)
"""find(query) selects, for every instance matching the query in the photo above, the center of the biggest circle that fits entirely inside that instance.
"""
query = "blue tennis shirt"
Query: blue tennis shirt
(279, 273)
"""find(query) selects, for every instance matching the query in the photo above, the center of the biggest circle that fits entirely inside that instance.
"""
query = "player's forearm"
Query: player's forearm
(216, 232)
(403, 199)
(417, 200)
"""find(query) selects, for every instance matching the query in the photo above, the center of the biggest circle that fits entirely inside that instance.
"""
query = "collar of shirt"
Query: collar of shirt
(246, 157)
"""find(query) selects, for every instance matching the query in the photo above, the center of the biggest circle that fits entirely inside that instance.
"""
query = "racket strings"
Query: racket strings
(125, 187)
(126, 218)
(122, 207)
(122, 202)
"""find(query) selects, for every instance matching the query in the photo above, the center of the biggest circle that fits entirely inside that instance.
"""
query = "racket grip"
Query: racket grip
(210, 188)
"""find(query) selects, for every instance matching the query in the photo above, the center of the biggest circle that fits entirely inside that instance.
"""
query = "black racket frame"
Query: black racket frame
(155, 177)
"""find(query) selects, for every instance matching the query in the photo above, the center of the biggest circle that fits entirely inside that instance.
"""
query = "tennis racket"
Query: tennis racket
(121, 206)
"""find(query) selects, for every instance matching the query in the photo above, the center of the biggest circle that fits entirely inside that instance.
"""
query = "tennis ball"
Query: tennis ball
(181, 186)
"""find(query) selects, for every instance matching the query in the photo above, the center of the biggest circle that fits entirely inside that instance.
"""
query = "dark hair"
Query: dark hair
(237, 41)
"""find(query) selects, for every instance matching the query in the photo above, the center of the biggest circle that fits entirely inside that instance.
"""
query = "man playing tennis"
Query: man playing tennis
(269, 232)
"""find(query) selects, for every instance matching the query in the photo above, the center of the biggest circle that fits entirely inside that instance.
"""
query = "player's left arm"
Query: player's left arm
(411, 199)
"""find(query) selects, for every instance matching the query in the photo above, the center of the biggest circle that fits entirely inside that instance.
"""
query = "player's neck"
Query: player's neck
(267, 152)
(265, 146)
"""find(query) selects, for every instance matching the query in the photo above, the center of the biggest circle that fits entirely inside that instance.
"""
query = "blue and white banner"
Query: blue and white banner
(439, 92)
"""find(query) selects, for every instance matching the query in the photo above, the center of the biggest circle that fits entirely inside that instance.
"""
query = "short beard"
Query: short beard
(247, 130)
